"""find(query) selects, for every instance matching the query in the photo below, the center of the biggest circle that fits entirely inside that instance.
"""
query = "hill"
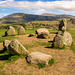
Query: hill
(23, 17)
(55, 15)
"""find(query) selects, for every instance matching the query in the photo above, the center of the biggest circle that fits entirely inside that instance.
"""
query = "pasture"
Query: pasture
(64, 58)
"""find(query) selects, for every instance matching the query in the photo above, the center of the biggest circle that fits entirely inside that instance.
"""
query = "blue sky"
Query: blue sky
(37, 7)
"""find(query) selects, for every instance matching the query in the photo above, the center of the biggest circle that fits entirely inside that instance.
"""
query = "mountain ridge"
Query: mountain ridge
(24, 17)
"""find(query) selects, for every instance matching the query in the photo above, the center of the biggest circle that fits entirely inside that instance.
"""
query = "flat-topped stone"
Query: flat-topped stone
(42, 33)
(38, 57)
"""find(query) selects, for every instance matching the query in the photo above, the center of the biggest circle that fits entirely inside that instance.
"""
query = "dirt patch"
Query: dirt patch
(24, 39)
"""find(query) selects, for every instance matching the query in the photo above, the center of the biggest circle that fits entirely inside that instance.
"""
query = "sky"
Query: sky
(37, 7)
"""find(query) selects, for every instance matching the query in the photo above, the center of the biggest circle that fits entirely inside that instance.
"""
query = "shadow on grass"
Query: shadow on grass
(4, 54)
(49, 47)
(72, 47)
(8, 35)
(2, 51)
(5, 57)
(50, 41)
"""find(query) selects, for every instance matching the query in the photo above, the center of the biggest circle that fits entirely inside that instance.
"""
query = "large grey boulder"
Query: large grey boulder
(21, 30)
(38, 57)
(15, 47)
(6, 43)
(62, 39)
(58, 41)
(67, 39)
(10, 31)
(42, 33)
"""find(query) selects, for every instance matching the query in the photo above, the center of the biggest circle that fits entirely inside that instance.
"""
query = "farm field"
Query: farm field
(64, 58)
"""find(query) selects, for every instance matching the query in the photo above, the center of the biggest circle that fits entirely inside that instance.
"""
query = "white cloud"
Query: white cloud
(39, 6)
(2, 14)
(40, 11)
(9, 0)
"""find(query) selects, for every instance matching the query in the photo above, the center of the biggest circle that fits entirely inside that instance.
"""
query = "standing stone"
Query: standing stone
(38, 57)
(62, 25)
(6, 43)
(62, 38)
(10, 31)
(42, 33)
(21, 30)
(15, 47)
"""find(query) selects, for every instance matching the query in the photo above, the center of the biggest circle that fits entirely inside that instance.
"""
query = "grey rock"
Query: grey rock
(42, 33)
(21, 30)
(38, 57)
(10, 31)
(62, 25)
(15, 47)
(6, 43)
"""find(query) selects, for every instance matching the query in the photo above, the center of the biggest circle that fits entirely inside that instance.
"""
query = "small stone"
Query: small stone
(32, 34)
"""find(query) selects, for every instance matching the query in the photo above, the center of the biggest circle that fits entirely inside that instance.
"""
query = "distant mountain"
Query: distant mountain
(47, 14)
(62, 15)
(23, 17)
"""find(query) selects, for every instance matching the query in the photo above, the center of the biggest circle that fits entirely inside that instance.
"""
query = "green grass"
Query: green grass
(27, 46)
(13, 58)
(4, 52)
(72, 32)
(37, 43)
(2, 33)
(53, 31)
(6, 38)
(43, 43)
(51, 62)
(5, 55)
(63, 47)
(29, 31)
(1, 66)
(25, 56)
(41, 65)
(72, 46)
(9, 37)
(49, 37)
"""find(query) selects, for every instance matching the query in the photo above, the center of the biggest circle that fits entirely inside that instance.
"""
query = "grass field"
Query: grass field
(2, 33)
(13, 65)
